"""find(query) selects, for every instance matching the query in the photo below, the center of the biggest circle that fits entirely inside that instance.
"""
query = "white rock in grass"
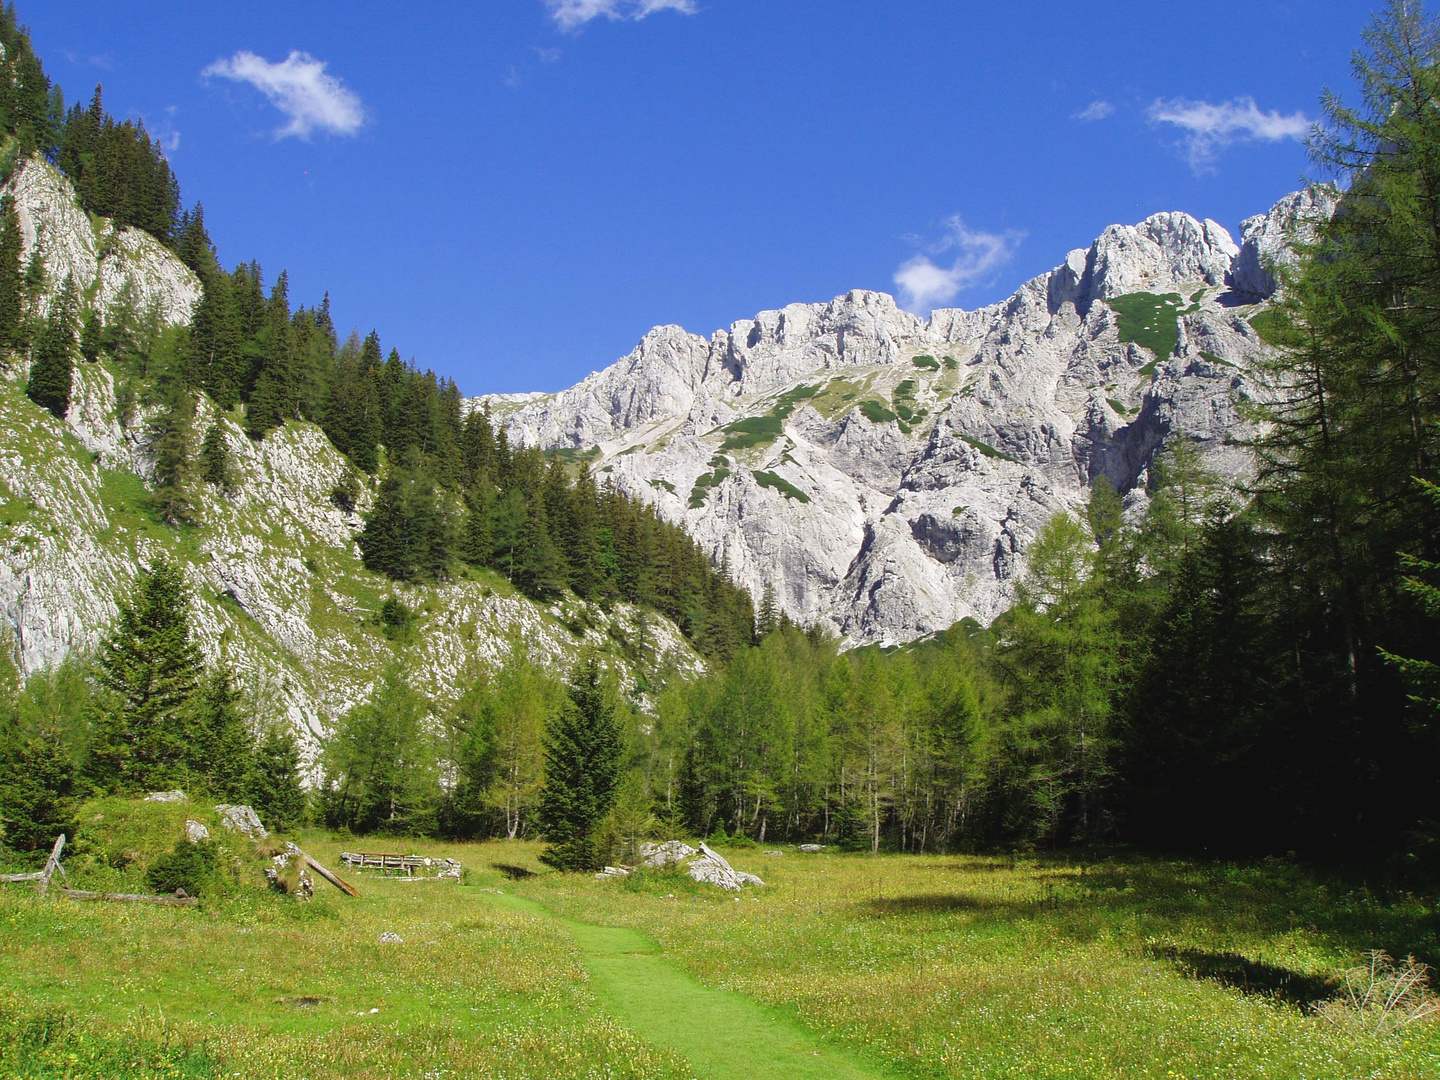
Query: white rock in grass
(660, 856)
(389, 937)
(195, 832)
(241, 819)
(166, 796)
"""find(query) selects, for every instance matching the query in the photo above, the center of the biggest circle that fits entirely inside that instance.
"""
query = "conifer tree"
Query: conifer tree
(539, 569)
(37, 793)
(582, 769)
(215, 465)
(174, 461)
(221, 748)
(12, 297)
(52, 358)
(380, 764)
(151, 667)
(275, 789)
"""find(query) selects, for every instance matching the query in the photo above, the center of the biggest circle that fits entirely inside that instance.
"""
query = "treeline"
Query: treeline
(146, 715)
(118, 170)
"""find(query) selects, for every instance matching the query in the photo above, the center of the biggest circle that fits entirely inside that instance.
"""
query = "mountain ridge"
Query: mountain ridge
(1013, 409)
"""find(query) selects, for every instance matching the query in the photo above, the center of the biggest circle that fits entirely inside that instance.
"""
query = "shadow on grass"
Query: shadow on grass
(1248, 976)
(1194, 904)
(514, 873)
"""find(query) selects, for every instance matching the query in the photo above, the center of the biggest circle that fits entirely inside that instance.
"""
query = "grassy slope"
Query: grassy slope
(940, 966)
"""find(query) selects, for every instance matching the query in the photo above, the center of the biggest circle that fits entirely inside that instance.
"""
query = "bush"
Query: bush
(194, 867)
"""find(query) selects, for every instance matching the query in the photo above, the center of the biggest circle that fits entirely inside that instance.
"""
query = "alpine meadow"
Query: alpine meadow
(874, 688)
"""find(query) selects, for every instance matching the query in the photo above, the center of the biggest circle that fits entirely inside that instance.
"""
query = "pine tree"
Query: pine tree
(222, 749)
(539, 569)
(275, 789)
(215, 465)
(173, 460)
(52, 365)
(12, 299)
(582, 768)
(37, 793)
(151, 667)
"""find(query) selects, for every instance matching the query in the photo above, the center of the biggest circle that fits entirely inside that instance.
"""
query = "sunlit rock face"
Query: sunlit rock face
(886, 473)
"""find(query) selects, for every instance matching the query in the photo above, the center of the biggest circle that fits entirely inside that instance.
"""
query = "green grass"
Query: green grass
(658, 484)
(1210, 356)
(957, 511)
(1118, 406)
(1149, 320)
(780, 484)
(951, 364)
(986, 449)
(929, 966)
(752, 431)
(876, 412)
(926, 362)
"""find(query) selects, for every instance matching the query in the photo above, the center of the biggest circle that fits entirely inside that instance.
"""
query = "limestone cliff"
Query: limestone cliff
(887, 473)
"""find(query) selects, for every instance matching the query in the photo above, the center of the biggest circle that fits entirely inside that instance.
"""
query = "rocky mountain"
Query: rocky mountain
(886, 473)
(274, 571)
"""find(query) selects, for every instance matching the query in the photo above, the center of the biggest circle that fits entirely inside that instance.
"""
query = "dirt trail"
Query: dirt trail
(723, 1035)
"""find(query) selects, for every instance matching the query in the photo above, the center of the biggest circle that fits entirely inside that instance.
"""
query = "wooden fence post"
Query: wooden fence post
(51, 865)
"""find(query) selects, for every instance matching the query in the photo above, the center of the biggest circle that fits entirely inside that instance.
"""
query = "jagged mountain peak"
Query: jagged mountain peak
(885, 472)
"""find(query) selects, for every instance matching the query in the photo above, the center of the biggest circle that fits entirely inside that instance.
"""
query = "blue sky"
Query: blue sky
(513, 191)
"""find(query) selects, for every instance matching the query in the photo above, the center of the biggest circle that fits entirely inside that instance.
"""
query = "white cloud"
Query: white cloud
(573, 14)
(300, 88)
(1210, 128)
(1096, 110)
(924, 285)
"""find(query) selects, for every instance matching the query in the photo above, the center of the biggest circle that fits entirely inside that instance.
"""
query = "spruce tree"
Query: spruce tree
(12, 299)
(275, 789)
(222, 749)
(37, 793)
(150, 665)
(539, 569)
(215, 457)
(582, 768)
(52, 357)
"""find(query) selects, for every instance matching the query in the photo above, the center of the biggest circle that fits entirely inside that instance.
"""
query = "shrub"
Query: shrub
(1382, 996)
(194, 867)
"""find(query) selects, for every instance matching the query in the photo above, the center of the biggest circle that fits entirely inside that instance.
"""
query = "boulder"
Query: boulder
(712, 868)
(242, 819)
(389, 937)
(811, 848)
(195, 832)
(166, 796)
(662, 856)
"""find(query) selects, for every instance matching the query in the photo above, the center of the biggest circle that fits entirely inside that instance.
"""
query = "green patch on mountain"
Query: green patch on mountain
(658, 484)
(719, 470)
(1118, 406)
(751, 431)
(780, 484)
(1212, 358)
(876, 413)
(928, 363)
(988, 450)
(1149, 320)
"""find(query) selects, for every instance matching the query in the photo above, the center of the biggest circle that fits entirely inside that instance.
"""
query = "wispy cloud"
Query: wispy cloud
(300, 88)
(1210, 128)
(547, 56)
(1096, 110)
(573, 14)
(924, 285)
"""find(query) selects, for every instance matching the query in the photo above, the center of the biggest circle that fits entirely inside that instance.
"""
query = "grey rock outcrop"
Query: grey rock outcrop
(242, 819)
(886, 473)
(112, 265)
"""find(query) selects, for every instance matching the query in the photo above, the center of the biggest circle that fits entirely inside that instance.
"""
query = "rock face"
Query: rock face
(112, 265)
(277, 588)
(887, 473)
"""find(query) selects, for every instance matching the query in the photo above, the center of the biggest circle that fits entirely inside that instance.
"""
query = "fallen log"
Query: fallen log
(32, 876)
(172, 901)
(339, 882)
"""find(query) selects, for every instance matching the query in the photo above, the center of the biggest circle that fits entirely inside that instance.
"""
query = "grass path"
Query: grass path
(721, 1033)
